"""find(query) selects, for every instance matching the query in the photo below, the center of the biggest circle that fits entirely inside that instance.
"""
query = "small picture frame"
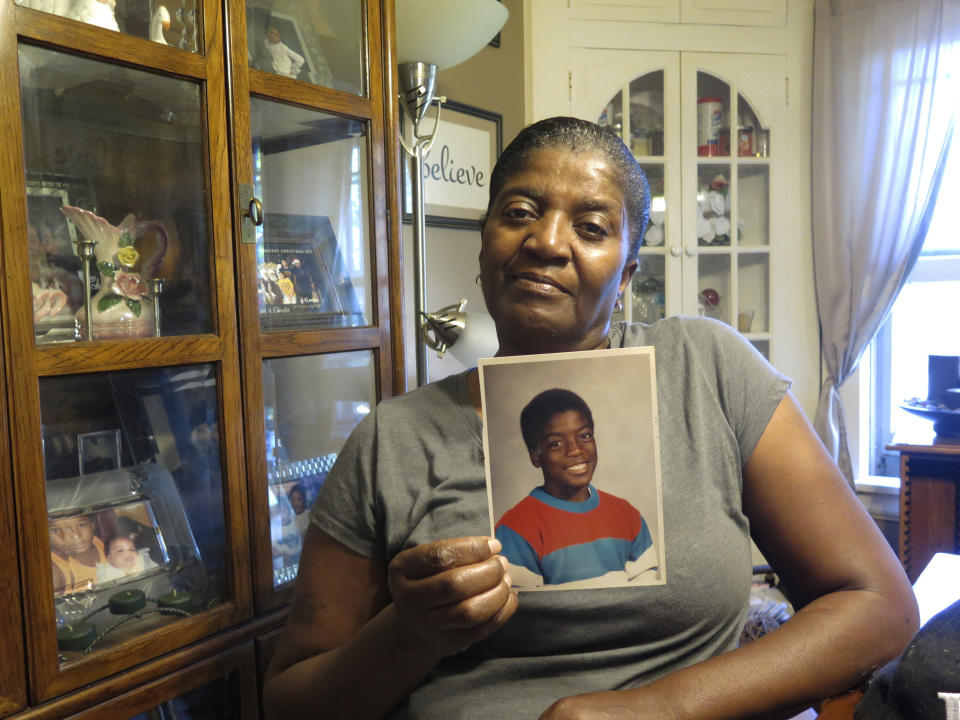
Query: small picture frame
(276, 43)
(105, 545)
(302, 281)
(47, 227)
(98, 451)
(456, 182)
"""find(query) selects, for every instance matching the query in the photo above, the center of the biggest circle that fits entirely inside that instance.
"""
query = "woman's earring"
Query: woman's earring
(618, 305)
(477, 280)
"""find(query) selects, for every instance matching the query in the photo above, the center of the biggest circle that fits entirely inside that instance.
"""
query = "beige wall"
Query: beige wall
(491, 80)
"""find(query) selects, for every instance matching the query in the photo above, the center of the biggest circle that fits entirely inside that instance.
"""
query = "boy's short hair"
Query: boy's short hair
(544, 406)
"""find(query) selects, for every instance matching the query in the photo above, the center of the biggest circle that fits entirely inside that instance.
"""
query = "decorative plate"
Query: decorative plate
(945, 422)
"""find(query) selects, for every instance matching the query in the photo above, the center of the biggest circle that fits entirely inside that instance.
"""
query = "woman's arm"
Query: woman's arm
(857, 610)
(361, 635)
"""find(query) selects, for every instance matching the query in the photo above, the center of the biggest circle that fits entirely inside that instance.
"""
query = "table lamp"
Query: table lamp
(433, 35)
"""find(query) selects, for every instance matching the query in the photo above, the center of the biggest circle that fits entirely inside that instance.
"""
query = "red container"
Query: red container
(709, 122)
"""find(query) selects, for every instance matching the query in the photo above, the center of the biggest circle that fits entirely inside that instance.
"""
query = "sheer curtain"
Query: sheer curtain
(885, 98)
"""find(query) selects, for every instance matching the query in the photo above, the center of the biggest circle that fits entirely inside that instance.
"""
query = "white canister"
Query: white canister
(709, 122)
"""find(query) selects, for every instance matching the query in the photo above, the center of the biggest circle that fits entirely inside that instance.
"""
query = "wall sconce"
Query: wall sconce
(433, 35)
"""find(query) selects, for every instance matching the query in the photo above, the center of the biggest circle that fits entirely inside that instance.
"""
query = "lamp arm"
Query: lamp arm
(436, 124)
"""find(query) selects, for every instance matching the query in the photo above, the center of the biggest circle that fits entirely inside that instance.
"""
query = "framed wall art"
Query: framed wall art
(456, 170)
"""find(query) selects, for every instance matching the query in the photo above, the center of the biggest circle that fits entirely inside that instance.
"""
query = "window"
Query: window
(925, 320)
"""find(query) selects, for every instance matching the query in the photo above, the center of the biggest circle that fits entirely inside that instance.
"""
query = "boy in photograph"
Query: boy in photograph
(566, 532)
(75, 552)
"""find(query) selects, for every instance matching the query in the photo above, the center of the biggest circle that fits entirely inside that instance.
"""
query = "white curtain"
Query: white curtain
(885, 95)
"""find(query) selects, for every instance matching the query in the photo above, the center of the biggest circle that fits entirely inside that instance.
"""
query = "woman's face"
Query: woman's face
(554, 253)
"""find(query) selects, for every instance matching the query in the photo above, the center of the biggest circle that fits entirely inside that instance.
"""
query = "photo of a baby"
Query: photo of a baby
(124, 559)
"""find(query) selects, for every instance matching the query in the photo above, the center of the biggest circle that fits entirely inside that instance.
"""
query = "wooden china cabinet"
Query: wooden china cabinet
(200, 283)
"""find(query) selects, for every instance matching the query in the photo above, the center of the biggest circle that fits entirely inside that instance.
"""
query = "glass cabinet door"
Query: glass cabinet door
(126, 414)
(733, 210)
(314, 268)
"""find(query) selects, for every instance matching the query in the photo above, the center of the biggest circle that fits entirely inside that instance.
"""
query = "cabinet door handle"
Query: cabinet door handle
(690, 250)
(675, 251)
(251, 213)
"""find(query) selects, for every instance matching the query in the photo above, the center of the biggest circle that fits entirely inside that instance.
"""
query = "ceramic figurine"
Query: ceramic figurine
(95, 12)
(158, 23)
(122, 307)
(57, 7)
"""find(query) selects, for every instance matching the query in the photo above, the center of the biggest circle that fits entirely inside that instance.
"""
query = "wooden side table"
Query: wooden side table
(929, 499)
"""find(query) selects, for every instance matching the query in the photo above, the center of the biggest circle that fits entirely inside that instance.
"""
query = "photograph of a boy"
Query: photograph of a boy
(567, 530)
(124, 559)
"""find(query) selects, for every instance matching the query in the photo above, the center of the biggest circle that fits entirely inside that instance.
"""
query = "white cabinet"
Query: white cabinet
(705, 128)
(728, 12)
(731, 200)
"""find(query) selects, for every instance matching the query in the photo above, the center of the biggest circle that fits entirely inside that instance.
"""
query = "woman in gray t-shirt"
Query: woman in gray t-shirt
(403, 607)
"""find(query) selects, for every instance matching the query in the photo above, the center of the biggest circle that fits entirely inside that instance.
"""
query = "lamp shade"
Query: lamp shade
(478, 339)
(445, 32)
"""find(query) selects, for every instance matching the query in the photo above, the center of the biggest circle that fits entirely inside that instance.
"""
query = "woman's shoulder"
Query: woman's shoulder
(448, 392)
(676, 330)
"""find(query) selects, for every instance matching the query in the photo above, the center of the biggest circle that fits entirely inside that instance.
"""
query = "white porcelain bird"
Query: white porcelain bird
(95, 12)
(158, 23)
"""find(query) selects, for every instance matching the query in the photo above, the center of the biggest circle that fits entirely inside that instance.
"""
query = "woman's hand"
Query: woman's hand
(451, 593)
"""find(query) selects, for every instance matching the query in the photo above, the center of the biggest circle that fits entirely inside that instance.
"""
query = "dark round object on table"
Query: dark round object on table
(76, 637)
(951, 398)
(127, 602)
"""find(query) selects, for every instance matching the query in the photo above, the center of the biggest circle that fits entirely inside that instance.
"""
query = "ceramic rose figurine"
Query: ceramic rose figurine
(122, 307)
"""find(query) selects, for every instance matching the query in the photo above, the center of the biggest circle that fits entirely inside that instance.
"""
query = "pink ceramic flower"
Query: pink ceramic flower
(719, 183)
(129, 285)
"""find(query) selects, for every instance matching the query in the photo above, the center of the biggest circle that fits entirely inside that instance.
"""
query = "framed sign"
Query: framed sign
(456, 171)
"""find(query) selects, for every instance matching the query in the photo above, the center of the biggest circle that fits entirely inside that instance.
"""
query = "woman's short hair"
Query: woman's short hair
(537, 413)
(579, 136)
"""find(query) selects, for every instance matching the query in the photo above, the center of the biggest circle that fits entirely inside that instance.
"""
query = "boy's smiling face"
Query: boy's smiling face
(566, 453)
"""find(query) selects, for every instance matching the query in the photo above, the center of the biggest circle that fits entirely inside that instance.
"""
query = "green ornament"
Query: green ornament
(107, 268)
(108, 301)
(125, 239)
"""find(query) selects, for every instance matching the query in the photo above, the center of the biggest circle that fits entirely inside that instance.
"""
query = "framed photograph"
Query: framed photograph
(285, 45)
(573, 468)
(98, 451)
(47, 226)
(303, 280)
(105, 545)
(54, 265)
(456, 171)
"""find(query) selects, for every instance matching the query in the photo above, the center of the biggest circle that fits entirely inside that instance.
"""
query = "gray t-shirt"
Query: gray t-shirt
(412, 472)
